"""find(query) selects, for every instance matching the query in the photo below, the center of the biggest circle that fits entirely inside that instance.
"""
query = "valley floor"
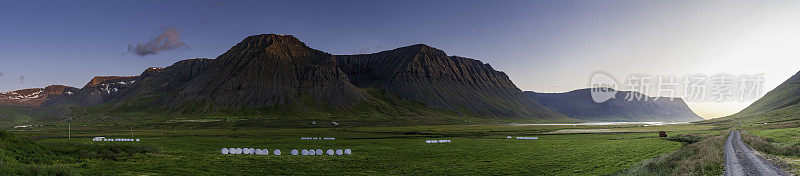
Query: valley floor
(475, 149)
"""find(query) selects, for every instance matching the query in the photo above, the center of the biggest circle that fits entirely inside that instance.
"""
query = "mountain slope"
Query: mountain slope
(36, 97)
(426, 74)
(779, 104)
(579, 104)
(279, 76)
(264, 70)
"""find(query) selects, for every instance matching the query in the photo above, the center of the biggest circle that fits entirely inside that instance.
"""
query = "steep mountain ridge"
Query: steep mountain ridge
(426, 74)
(176, 74)
(579, 104)
(102, 89)
(269, 70)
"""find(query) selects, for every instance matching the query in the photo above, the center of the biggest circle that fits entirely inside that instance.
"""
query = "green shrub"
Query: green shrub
(687, 138)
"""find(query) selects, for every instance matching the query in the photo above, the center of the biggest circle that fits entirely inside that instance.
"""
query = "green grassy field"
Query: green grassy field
(476, 149)
(781, 137)
(778, 140)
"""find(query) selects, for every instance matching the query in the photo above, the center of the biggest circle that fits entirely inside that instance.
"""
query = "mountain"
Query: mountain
(36, 97)
(425, 74)
(264, 70)
(579, 104)
(779, 104)
(278, 75)
(102, 89)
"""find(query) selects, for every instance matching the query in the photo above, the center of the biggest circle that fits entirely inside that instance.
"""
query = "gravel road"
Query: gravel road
(740, 159)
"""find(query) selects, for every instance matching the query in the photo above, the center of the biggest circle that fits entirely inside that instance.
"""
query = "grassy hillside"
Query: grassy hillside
(778, 105)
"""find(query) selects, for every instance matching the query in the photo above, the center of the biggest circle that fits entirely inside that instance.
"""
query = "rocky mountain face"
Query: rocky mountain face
(264, 70)
(174, 76)
(36, 97)
(425, 74)
(102, 89)
(579, 104)
(267, 70)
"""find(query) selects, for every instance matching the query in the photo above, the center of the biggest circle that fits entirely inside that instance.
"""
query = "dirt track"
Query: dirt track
(740, 159)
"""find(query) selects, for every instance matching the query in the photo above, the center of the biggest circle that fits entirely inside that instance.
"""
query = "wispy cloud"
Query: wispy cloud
(21, 79)
(169, 39)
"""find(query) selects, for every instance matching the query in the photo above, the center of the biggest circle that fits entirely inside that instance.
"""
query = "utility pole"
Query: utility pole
(69, 131)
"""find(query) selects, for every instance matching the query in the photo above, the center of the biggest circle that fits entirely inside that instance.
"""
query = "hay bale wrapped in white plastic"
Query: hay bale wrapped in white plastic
(239, 150)
(319, 152)
(137, 140)
(347, 151)
(257, 152)
(339, 152)
(277, 152)
(330, 152)
(224, 151)
(312, 152)
(295, 152)
(304, 152)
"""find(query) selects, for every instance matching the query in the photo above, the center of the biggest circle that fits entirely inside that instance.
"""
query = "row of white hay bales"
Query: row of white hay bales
(251, 151)
(317, 138)
(114, 140)
(524, 137)
(437, 141)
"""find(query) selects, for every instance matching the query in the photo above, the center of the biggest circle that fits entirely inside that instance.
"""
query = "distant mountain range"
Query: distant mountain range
(279, 75)
(579, 104)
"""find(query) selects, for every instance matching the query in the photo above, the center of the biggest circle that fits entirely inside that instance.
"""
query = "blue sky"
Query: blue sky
(548, 46)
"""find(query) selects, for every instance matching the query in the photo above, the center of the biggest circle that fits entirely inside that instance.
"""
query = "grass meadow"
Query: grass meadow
(475, 149)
